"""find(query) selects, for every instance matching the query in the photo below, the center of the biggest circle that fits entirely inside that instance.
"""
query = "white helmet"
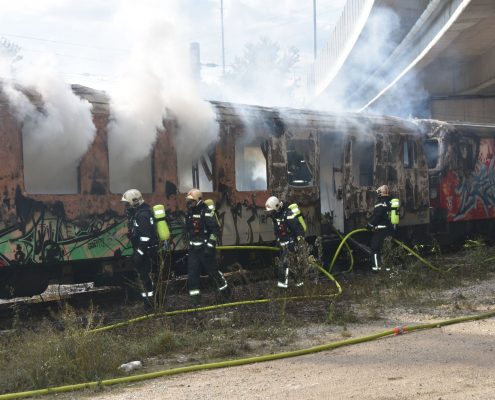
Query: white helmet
(194, 197)
(133, 197)
(273, 204)
(382, 190)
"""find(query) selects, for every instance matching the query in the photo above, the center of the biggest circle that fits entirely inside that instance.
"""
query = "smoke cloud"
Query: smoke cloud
(156, 83)
(361, 78)
(56, 132)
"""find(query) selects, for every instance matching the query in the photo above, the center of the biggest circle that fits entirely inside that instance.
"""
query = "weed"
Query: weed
(62, 350)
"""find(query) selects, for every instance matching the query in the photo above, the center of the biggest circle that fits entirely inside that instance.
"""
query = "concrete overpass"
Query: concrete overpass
(427, 58)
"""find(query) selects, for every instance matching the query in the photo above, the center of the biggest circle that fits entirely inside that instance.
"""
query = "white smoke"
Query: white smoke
(361, 78)
(57, 131)
(156, 83)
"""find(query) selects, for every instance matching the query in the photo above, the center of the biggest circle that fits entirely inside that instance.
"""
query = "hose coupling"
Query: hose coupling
(399, 330)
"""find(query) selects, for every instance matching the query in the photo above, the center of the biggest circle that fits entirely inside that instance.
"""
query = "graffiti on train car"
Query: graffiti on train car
(472, 196)
(240, 223)
(43, 234)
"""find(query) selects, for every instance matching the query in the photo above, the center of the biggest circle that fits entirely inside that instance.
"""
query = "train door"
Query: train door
(331, 178)
(413, 182)
(359, 168)
(302, 175)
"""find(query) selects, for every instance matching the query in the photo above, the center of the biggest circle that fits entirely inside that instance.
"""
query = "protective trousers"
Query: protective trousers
(197, 259)
(377, 239)
(284, 271)
(143, 263)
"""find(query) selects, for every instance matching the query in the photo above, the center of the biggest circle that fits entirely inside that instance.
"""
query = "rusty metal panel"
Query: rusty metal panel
(410, 184)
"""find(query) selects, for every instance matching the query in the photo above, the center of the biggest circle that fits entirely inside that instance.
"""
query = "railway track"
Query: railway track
(111, 302)
(31, 310)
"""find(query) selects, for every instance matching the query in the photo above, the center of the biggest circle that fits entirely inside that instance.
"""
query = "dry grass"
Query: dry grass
(62, 351)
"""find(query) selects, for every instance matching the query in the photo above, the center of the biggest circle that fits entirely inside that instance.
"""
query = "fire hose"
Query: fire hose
(244, 361)
(263, 358)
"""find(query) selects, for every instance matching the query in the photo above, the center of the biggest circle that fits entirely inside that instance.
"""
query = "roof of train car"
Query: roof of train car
(433, 127)
(317, 119)
(235, 113)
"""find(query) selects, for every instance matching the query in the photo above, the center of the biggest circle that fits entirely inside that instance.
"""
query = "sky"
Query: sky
(91, 40)
(138, 52)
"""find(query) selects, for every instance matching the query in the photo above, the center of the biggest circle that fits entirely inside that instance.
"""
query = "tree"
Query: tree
(264, 75)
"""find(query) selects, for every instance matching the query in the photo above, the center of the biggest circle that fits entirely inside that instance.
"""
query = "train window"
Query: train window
(125, 172)
(250, 165)
(363, 151)
(300, 162)
(466, 153)
(44, 175)
(431, 148)
(196, 173)
(408, 154)
(48, 167)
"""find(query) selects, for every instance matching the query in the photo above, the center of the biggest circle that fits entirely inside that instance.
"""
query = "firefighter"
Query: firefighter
(289, 229)
(202, 229)
(144, 240)
(380, 225)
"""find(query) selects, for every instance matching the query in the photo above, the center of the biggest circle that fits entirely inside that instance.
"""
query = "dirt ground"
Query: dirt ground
(453, 362)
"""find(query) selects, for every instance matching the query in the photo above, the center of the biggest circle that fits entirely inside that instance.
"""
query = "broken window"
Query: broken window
(195, 173)
(250, 164)
(44, 173)
(126, 172)
(431, 148)
(408, 154)
(363, 155)
(300, 162)
(466, 155)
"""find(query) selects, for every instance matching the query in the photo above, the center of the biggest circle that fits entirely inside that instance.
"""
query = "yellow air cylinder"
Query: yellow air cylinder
(161, 222)
(211, 205)
(297, 212)
(394, 212)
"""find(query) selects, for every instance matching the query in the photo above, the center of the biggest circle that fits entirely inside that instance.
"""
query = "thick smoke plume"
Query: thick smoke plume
(361, 72)
(56, 131)
(156, 83)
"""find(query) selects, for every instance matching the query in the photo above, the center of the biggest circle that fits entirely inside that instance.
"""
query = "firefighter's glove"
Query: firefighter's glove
(210, 248)
(138, 256)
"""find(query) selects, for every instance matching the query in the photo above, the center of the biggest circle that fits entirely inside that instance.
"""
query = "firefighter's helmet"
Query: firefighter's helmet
(383, 191)
(133, 197)
(273, 204)
(194, 197)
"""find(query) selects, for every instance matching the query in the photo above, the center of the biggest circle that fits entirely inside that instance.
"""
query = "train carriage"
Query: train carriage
(327, 163)
(461, 162)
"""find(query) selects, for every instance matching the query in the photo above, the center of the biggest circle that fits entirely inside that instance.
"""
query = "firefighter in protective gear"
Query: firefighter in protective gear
(380, 225)
(289, 231)
(202, 229)
(144, 240)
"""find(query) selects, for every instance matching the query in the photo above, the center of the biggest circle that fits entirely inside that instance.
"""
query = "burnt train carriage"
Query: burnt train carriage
(461, 161)
(364, 152)
(298, 155)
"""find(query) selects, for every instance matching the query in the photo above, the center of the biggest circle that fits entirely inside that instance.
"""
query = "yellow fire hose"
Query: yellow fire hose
(250, 360)
(233, 304)
(244, 361)
(349, 250)
(403, 245)
(270, 248)
(344, 241)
